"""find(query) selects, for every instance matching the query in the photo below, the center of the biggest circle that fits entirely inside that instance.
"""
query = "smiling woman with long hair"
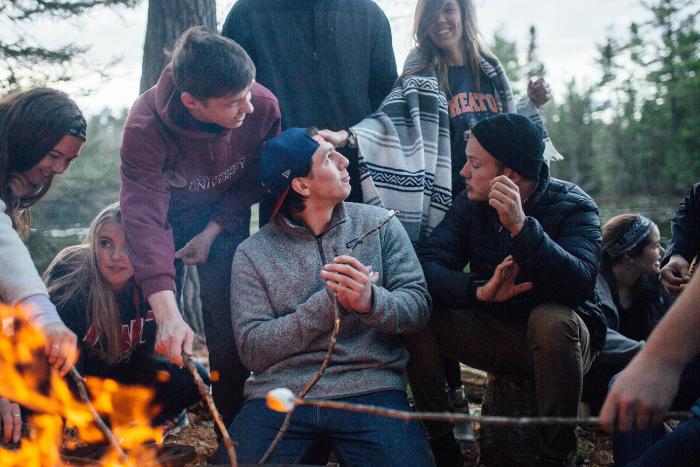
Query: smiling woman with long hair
(41, 132)
(412, 149)
(93, 287)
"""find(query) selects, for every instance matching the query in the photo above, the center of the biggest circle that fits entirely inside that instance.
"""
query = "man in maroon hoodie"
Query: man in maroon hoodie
(189, 171)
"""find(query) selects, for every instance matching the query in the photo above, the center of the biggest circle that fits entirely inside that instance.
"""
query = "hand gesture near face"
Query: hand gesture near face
(501, 287)
(352, 283)
(504, 197)
(336, 138)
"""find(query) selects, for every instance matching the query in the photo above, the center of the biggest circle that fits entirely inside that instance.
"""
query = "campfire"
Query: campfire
(27, 378)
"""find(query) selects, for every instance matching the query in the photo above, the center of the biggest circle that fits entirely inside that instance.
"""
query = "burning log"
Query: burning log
(169, 455)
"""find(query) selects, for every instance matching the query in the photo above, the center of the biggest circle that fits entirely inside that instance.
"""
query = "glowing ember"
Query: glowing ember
(26, 378)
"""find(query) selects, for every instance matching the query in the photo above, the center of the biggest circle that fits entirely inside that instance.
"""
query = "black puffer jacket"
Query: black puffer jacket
(557, 250)
(685, 228)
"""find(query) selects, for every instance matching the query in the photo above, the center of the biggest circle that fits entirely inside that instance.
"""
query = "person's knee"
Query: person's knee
(553, 326)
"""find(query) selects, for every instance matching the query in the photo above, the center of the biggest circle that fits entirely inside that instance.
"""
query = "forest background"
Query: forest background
(629, 129)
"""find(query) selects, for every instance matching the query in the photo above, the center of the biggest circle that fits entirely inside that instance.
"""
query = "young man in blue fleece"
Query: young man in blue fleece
(282, 312)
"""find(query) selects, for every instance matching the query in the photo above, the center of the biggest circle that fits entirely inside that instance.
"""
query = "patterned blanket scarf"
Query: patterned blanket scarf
(404, 147)
(404, 154)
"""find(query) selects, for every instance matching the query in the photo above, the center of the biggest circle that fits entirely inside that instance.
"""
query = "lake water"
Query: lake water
(658, 209)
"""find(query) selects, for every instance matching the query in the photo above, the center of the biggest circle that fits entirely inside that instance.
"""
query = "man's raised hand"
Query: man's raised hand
(504, 197)
(501, 287)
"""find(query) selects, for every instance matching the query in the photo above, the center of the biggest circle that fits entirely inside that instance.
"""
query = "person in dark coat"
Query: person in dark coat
(329, 62)
(685, 244)
(633, 301)
(528, 303)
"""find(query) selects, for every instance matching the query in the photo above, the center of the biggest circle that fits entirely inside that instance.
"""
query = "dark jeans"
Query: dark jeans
(647, 449)
(357, 439)
(552, 344)
(228, 373)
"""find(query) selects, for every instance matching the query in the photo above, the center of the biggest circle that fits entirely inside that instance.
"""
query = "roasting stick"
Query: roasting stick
(82, 390)
(204, 392)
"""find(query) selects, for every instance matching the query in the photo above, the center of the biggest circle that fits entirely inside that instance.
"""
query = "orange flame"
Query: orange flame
(26, 378)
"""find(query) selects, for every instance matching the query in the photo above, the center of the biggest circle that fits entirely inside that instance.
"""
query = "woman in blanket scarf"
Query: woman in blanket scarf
(411, 149)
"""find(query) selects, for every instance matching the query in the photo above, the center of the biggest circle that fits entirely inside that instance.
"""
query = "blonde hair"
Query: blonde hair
(474, 47)
(82, 275)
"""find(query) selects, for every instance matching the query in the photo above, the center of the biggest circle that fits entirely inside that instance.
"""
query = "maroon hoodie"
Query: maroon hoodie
(171, 163)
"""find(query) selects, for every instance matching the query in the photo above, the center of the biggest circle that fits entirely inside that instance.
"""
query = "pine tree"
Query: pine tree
(27, 61)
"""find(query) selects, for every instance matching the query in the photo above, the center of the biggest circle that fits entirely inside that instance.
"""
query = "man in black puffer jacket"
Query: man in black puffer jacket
(528, 303)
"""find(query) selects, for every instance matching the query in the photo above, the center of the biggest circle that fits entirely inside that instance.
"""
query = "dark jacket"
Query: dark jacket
(557, 250)
(685, 228)
(329, 62)
(628, 328)
(173, 165)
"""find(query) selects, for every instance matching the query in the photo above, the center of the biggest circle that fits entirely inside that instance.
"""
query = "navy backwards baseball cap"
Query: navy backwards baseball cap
(284, 158)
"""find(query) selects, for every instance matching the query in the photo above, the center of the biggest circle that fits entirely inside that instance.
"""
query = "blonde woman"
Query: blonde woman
(93, 287)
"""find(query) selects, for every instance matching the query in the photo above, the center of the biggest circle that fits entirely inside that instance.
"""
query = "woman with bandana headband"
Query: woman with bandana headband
(41, 132)
(633, 301)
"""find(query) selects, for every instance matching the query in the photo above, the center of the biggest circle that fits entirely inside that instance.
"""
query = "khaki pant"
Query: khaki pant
(552, 344)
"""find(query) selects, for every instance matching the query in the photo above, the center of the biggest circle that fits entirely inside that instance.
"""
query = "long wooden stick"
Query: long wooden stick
(204, 392)
(464, 417)
(84, 396)
(351, 245)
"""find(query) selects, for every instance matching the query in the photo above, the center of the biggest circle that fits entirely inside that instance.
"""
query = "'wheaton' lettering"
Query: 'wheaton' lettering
(464, 102)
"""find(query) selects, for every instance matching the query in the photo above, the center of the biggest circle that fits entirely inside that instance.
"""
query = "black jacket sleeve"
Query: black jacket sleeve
(685, 228)
(444, 254)
(382, 72)
(564, 269)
